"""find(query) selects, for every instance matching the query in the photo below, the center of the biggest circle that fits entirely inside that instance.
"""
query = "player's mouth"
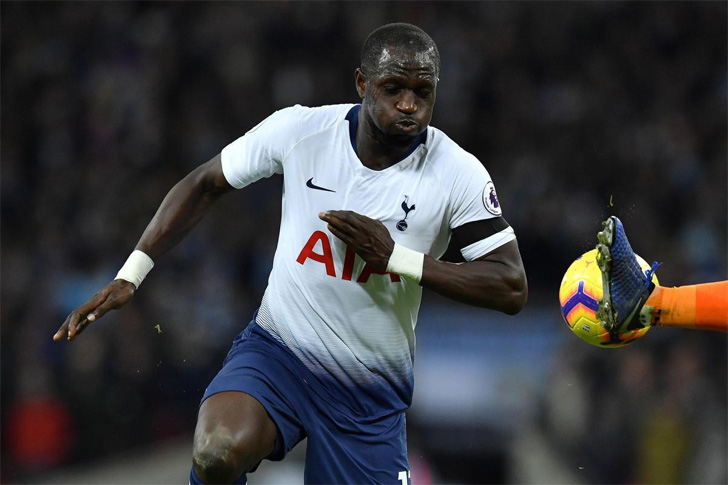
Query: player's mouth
(407, 126)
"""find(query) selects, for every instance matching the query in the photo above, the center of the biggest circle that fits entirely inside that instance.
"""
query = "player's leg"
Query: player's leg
(631, 301)
(703, 306)
(344, 451)
(248, 412)
(233, 435)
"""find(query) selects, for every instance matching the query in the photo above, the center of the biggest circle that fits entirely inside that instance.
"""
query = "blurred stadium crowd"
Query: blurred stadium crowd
(578, 109)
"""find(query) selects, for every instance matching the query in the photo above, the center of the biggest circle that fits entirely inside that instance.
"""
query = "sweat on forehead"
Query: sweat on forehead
(404, 57)
(399, 43)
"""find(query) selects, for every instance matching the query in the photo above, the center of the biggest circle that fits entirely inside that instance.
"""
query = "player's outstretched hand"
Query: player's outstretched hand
(368, 237)
(112, 297)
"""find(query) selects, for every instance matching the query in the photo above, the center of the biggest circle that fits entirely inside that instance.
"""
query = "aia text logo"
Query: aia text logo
(326, 258)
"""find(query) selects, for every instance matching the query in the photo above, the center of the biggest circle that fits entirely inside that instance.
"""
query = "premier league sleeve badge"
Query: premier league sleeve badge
(490, 199)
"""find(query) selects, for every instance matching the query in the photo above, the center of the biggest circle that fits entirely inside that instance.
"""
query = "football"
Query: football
(579, 295)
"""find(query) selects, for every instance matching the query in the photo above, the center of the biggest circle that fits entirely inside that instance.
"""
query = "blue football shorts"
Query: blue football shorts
(342, 447)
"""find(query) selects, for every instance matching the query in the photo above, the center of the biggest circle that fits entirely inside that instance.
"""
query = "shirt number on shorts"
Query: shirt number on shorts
(403, 477)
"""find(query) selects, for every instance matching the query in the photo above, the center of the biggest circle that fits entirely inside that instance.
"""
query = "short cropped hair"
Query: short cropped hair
(397, 35)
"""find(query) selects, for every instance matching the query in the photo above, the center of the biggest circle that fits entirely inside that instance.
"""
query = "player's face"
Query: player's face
(399, 97)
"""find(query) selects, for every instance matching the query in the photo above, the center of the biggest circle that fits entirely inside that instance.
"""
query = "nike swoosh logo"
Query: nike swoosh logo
(310, 185)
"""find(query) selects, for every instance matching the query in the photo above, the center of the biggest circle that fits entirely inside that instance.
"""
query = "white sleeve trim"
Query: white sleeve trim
(227, 170)
(484, 246)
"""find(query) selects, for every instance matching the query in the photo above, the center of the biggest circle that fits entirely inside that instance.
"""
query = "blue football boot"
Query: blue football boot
(626, 285)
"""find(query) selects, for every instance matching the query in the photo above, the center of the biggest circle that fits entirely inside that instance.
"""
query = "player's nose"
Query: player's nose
(406, 102)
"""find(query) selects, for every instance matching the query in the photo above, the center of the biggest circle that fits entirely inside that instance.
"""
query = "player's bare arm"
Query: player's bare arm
(182, 208)
(496, 280)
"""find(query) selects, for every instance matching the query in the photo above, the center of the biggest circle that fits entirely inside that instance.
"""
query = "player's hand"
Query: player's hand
(369, 238)
(112, 297)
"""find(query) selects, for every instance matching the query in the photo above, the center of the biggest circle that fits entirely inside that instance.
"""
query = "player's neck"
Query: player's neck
(376, 156)
(376, 151)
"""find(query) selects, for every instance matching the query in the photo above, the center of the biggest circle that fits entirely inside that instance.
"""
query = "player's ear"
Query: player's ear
(361, 82)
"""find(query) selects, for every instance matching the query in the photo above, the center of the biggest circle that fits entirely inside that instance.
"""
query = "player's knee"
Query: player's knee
(215, 462)
(218, 458)
(214, 466)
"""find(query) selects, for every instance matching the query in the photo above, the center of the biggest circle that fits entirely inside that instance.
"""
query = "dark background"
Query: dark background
(579, 110)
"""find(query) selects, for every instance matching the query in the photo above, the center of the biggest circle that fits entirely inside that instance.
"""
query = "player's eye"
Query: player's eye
(424, 93)
(390, 89)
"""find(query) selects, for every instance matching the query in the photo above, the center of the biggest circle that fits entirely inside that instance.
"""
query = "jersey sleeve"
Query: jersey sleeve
(260, 152)
(477, 219)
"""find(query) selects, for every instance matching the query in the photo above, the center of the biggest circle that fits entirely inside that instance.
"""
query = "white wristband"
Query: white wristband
(136, 268)
(406, 262)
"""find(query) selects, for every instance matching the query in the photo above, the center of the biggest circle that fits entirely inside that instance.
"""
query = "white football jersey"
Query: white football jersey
(341, 319)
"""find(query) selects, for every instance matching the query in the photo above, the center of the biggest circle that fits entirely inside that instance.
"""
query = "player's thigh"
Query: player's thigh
(363, 453)
(236, 421)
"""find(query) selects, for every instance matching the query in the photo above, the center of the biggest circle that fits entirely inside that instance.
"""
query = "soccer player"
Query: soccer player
(373, 195)
(631, 300)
